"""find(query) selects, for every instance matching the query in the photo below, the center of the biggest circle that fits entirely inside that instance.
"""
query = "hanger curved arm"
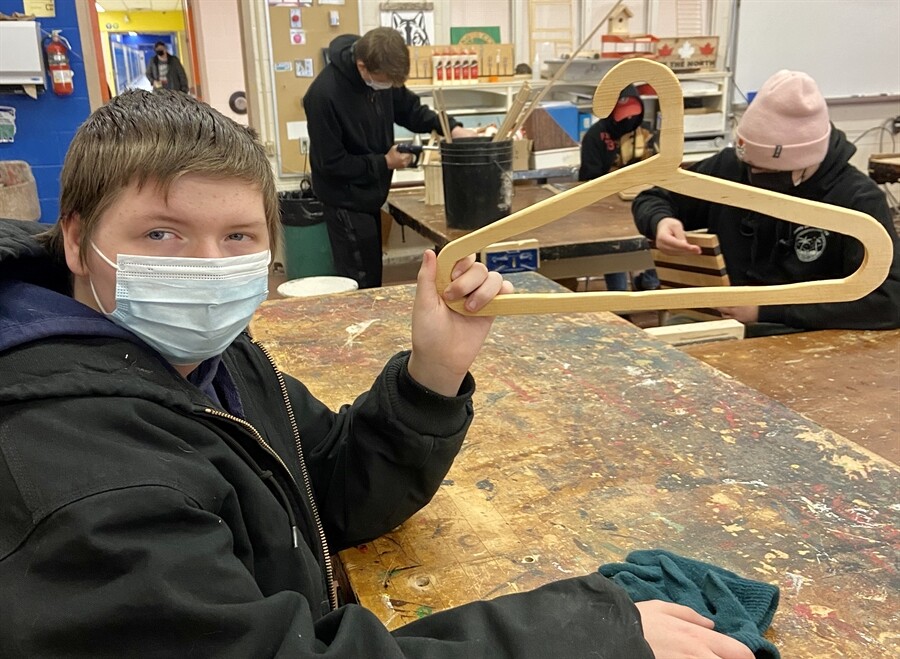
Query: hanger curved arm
(664, 170)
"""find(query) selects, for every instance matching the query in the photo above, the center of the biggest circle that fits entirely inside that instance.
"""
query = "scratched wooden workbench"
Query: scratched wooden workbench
(845, 380)
(592, 439)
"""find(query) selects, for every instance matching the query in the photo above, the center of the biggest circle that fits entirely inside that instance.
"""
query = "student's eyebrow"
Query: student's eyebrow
(231, 225)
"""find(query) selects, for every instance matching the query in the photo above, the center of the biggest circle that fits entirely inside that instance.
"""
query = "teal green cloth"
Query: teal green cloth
(741, 608)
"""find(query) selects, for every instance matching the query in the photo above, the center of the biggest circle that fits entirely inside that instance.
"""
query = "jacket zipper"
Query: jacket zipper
(295, 534)
(329, 568)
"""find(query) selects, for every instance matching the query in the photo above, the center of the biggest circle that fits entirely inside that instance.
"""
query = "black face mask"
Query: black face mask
(774, 181)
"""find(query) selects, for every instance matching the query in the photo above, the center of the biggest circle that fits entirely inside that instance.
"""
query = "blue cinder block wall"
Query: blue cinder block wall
(44, 127)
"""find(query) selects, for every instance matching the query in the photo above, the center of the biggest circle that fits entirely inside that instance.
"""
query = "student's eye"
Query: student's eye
(159, 234)
(238, 236)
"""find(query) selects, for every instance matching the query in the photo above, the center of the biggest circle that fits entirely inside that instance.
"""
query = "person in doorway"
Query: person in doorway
(165, 71)
(614, 142)
(351, 108)
(785, 143)
(170, 491)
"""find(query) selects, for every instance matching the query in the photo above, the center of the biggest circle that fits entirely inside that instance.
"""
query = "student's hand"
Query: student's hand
(674, 631)
(744, 315)
(445, 343)
(397, 160)
(459, 131)
(670, 238)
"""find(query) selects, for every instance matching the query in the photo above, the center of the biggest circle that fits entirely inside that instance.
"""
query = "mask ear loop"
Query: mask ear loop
(91, 281)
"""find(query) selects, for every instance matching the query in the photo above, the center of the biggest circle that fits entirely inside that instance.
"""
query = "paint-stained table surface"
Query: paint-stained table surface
(592, 439)
(845, 380)
(598, 238)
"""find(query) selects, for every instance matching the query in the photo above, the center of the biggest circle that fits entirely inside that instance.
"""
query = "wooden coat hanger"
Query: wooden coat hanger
(664, 170)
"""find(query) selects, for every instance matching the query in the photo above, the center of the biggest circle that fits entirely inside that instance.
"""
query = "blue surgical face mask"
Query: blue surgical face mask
(187, 309)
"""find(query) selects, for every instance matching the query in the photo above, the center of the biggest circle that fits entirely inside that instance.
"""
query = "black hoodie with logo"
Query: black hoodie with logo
(762, 250)
(351, 128)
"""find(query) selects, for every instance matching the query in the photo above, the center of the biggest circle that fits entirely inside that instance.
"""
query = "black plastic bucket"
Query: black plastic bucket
(478, 184)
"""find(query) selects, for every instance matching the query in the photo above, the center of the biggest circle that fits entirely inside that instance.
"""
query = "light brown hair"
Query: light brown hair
(383, 50)
(152, 139)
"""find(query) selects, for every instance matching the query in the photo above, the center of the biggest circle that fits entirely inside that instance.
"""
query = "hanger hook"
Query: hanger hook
(669, 95)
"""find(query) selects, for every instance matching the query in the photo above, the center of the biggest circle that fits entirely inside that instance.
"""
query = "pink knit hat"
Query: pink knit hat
(786, 127)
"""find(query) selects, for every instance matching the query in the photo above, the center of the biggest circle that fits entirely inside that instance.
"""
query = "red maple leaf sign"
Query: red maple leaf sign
(665, 50)
(707, 49)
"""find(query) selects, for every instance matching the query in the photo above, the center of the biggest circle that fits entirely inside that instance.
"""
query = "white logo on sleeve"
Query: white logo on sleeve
(809, 243)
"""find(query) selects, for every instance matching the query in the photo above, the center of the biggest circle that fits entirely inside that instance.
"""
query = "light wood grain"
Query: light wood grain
(664, 170)
(515, 110)
(691, 333)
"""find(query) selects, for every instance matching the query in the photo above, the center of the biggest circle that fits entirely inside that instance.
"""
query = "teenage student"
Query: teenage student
(351, 108)
(786, 143)
(611, 143)
(166, 491)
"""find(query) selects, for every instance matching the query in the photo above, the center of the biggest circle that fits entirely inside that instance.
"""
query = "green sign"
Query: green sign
(474, 35)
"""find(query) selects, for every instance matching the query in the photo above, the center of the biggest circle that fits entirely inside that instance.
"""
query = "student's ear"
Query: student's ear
(71, 231)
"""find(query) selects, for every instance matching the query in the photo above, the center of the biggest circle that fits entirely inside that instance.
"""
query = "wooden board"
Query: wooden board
(726, 329)
(592, 439)
(846, 380)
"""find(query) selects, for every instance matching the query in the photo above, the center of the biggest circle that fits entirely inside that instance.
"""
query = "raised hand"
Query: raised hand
(444, 342)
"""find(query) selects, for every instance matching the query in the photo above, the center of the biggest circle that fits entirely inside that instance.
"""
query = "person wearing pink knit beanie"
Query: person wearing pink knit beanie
(786, 127)
(785, 143)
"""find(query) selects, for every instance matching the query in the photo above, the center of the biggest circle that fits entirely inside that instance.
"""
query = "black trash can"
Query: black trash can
(307, 250)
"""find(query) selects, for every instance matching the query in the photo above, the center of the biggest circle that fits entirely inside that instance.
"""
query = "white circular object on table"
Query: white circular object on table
(311, 286)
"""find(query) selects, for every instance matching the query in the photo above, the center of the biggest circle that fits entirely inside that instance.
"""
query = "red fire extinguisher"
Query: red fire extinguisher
(57, 54)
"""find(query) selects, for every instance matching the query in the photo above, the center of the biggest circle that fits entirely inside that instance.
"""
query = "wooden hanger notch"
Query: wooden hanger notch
(664, 170)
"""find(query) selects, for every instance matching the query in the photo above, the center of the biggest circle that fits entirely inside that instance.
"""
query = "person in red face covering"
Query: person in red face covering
(618, 141)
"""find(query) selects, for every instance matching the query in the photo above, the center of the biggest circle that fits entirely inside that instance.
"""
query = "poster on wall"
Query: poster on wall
(474, 35)
(303, 68)
(39, 8)
(7, 124)
(413, 20)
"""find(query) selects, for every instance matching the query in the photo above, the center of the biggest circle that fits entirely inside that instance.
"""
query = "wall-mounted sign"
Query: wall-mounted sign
(44, 8)
(474, 35)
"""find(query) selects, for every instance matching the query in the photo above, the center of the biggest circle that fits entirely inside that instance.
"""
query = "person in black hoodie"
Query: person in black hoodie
(351, 108)
(167, 491)
(614, 142)
(785, 143)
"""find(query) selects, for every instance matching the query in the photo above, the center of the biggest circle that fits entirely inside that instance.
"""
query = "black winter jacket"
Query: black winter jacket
(759, 249)
(351, 128)
(137, 518)
(176, 78)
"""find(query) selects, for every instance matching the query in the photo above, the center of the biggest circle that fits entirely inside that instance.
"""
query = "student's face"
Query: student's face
(381, 80)
(202, 218)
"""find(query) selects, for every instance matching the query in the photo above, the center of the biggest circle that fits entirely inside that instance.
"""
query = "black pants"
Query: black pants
(355, 244)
